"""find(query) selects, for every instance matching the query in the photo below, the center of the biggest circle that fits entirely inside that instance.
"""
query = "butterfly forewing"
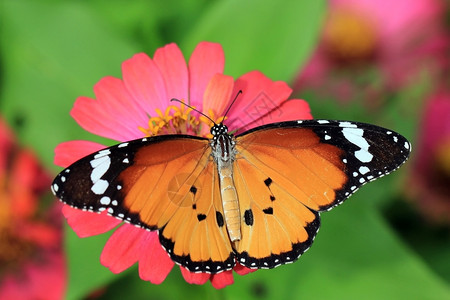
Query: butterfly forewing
(124, 179)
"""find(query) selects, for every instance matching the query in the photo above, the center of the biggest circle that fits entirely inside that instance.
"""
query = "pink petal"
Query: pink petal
(86, 223)
(218, 94)
(154, 262)
(145, 83)
(174, 71)
(290, 110)
(221, 280)
(12, 288)
(260, 95)
(123, 248)
(69, 152)
(115, 114)
(315, 71)
(241, 270)
(194, 278)
(206, 60)
(39, 233)
(48, 280)
(44, 280)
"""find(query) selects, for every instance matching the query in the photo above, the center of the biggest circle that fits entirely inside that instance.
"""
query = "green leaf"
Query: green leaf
(275, 37)
(86, 274)
(53, 52)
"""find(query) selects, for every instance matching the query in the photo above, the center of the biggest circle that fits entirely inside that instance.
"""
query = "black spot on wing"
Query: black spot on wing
(248, 217)
(268, 211)
(193, 190)
(201, 217)
(219, 219)
(268, 181)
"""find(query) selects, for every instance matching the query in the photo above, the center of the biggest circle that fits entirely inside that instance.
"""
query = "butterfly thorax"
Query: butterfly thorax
(224, 155)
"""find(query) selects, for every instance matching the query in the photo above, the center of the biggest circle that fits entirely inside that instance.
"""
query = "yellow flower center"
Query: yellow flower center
(348, 36)
(179, 120)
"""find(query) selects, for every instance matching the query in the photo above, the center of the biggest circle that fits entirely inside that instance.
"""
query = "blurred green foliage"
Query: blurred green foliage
(53, 51)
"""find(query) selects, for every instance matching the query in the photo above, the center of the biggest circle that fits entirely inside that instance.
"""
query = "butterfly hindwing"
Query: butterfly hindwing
(196, 235)
(286, 173)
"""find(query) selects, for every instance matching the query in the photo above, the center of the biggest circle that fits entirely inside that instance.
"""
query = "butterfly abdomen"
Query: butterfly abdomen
(230, 202)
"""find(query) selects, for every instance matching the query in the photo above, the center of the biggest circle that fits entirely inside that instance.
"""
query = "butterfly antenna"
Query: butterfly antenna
(193, 108)
(229, 107)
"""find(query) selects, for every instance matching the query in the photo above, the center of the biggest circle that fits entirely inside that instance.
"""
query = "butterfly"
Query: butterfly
(254, 198)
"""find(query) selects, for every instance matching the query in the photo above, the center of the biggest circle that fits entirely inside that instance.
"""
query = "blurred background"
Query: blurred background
(382, 62)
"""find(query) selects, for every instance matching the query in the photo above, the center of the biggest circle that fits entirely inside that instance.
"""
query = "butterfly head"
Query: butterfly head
(219, 129)
(222, 143)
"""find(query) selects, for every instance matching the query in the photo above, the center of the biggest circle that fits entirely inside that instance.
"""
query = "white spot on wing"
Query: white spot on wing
(355, 136)
(101, 153)
(363, 170)
(346, 124)
(105, 200)
(100, 187)
(363, 155)
(100, 167)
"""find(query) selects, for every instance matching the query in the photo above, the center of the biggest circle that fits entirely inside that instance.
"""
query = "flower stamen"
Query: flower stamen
(180, 120)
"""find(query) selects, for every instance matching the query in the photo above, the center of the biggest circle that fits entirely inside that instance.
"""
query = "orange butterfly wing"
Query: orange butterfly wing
(164, 183)
(286, 173)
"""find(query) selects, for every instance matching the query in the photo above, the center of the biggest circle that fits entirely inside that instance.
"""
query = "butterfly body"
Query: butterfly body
(224, 154)
(254, 198)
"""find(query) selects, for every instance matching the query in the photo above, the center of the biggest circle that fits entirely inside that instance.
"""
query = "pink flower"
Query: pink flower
(393, 40)
(121, 112)
(430, 176)
(31, 259)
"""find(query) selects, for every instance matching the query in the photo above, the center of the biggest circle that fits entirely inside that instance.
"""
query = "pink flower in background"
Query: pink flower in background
(430, 176)
(31, 258)
(139, 106)
(367, 45)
